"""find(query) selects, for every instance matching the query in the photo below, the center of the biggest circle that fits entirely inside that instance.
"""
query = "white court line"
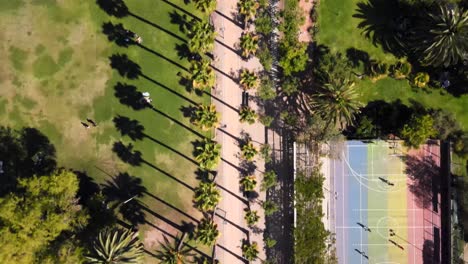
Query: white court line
(383, 244)
(360, 212)
(343, 206)
(377, 227)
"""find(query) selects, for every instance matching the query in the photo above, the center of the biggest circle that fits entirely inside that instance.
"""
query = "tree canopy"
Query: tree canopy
(37, 213)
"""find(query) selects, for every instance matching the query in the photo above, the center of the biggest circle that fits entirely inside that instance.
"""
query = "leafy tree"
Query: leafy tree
(250, 250)
(248, 44)
(205, 116)
(442, 36)
(251, 217)
(264, 56)
(174, 253)
(270, 242)
(365, 128)
(317, 129)
(206, 196)
(206, 6)
(293, 58)
(248, 151)
(201, 36)
(248, 183)
(445, 124)
(203, 76)
(208, 154)
(116, 246)
(270, 207)
(247, 114)
(265, 90)
(36, 213)
(269, 180)
(290, 86)
(337, 103)
(248, 79)
(333, 67)
(264, 23)
(418, 130)
(265, 152)
(207, 232)
(421, 79)
(248, 9)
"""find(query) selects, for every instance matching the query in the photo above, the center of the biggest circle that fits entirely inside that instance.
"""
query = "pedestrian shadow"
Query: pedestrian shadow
(158, 27)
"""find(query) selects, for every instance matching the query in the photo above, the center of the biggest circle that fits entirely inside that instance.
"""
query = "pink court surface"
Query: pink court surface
(386, 207)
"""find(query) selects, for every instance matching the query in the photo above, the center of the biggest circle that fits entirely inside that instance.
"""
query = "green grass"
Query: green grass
(62, 76)
(339, 31)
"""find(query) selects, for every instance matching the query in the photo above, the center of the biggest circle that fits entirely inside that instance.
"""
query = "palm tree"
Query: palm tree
(248, 44)
(174, 253)
(248, 9)
(442, 38)
(248, 79)
(206, 6)
(248, 151)
(247, 114)
(248, 183)
(205, 116)
(251, 217)
(337, 103)
(206, 196)
(202, 74)
(250, 250)
(114, 246)
(201, 36)
(207, 154)
(207, 232)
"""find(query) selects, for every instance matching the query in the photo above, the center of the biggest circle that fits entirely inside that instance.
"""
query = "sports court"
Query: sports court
(386, 203)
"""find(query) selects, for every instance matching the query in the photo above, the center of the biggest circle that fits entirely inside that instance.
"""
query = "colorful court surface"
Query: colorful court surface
(387, 203)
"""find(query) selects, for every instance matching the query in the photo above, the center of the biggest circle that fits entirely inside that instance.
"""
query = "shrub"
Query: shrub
(266, 120)
(418, 130)
(247, 115)
(265, 152)
(421, 79)
(401, 70)
(265, 90)
(264, 56)
(270, 242)
(248, 151)
(269, 180)
(270, 207)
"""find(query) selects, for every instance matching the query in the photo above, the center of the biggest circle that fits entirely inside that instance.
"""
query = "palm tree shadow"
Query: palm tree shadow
(125, 66)
(123, 189)
(127, 154)
(129, 95)
(129, 127)
(118, 34)
(116, 8)
(384, 23)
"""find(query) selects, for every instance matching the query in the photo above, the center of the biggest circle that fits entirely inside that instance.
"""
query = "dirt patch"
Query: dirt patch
(306, 7)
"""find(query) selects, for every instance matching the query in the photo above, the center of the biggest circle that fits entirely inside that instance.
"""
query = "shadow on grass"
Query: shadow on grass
(129, 95)
(178, 122)
(157, 26)
(169, 89)
(384, 23)
(162, 56)
(116, 8)
(127, 154)
(172, 207)
(181, 9)
(125, 66)
(118, 34)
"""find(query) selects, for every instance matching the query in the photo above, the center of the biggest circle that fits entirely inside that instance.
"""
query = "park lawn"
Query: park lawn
(56, 73)
(338, 30)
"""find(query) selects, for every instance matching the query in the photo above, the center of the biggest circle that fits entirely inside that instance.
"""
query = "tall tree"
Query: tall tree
(208, 154)
(205, 116)
(206, 6)
(36, 213)
(248, 44)
(174, 253)
(206, 196)
(203, 76)
(248, 9)
(116, 246)
(248, 79)
(442, 37)
(337, 102)
(418, 129)
(207, 232)
(248, 183)
(201, 36)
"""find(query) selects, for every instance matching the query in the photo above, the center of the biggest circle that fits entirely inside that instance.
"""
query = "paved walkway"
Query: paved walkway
(228, 97)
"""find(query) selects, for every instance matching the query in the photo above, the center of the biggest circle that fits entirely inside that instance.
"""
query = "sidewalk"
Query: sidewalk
(228, 97)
